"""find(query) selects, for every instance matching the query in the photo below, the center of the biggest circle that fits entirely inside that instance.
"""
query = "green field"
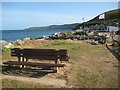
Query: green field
(93, 66)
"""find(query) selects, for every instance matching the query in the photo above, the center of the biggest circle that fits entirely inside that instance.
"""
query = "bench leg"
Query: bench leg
(59, 62)
(22, 61)
(19, 60)
(26, 59)
(57, 68)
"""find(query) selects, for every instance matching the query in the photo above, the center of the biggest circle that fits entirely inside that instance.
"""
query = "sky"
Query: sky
(21, 15)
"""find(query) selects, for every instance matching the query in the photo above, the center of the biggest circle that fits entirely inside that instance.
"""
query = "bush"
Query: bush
(6, 49)
(32, 38)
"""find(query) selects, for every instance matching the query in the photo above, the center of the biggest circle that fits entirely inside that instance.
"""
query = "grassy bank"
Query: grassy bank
(93, 65)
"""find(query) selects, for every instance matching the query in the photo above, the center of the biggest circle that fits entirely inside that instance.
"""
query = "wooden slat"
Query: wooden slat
(62, 54)
(41, 54)
(42, 58)
(40, 50)
(62, 50)
(16, 52)
(64, 58)
(38, 55)
(16, 55)
(33, 64)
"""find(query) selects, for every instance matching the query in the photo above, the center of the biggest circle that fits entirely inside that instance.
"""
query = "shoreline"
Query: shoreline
(79, 35)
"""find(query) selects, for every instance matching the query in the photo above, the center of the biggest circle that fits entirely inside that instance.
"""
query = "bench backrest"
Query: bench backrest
(43, 54)
(17, 52)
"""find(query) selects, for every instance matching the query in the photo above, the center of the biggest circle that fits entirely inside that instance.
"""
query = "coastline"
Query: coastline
(10, 35)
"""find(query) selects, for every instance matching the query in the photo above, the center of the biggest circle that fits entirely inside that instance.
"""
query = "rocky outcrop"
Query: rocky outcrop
(2, 44)
(9, 45)
(13, 44)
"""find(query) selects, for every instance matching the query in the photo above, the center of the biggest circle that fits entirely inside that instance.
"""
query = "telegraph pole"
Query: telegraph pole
(104, 28)
(83, 27)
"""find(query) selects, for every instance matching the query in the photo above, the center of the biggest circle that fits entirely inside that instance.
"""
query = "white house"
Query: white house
(112, 28)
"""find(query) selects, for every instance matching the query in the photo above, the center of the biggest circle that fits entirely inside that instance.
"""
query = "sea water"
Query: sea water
(11, 35)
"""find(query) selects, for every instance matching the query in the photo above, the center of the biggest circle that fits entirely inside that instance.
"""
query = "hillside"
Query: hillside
(111, 18)
(65, 26)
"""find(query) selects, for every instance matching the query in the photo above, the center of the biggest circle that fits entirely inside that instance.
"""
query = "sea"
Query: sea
(11, 35)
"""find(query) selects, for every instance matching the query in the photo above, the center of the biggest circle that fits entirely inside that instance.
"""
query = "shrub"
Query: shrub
(6, 49)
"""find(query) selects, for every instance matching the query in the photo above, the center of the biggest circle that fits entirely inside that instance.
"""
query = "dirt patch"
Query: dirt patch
(43, 80)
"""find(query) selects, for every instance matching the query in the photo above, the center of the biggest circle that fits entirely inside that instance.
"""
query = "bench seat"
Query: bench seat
(34, 64)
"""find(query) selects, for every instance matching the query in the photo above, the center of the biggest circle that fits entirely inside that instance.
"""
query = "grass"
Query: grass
(94, 66)
(7, 49)
(90, 69)
(6, 55)
(10, 83)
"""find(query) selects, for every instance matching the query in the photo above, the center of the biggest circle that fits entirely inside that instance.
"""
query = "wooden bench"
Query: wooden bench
(41, 54)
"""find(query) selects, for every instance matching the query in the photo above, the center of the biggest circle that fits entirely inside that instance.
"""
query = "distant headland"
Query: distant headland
(65, 26)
